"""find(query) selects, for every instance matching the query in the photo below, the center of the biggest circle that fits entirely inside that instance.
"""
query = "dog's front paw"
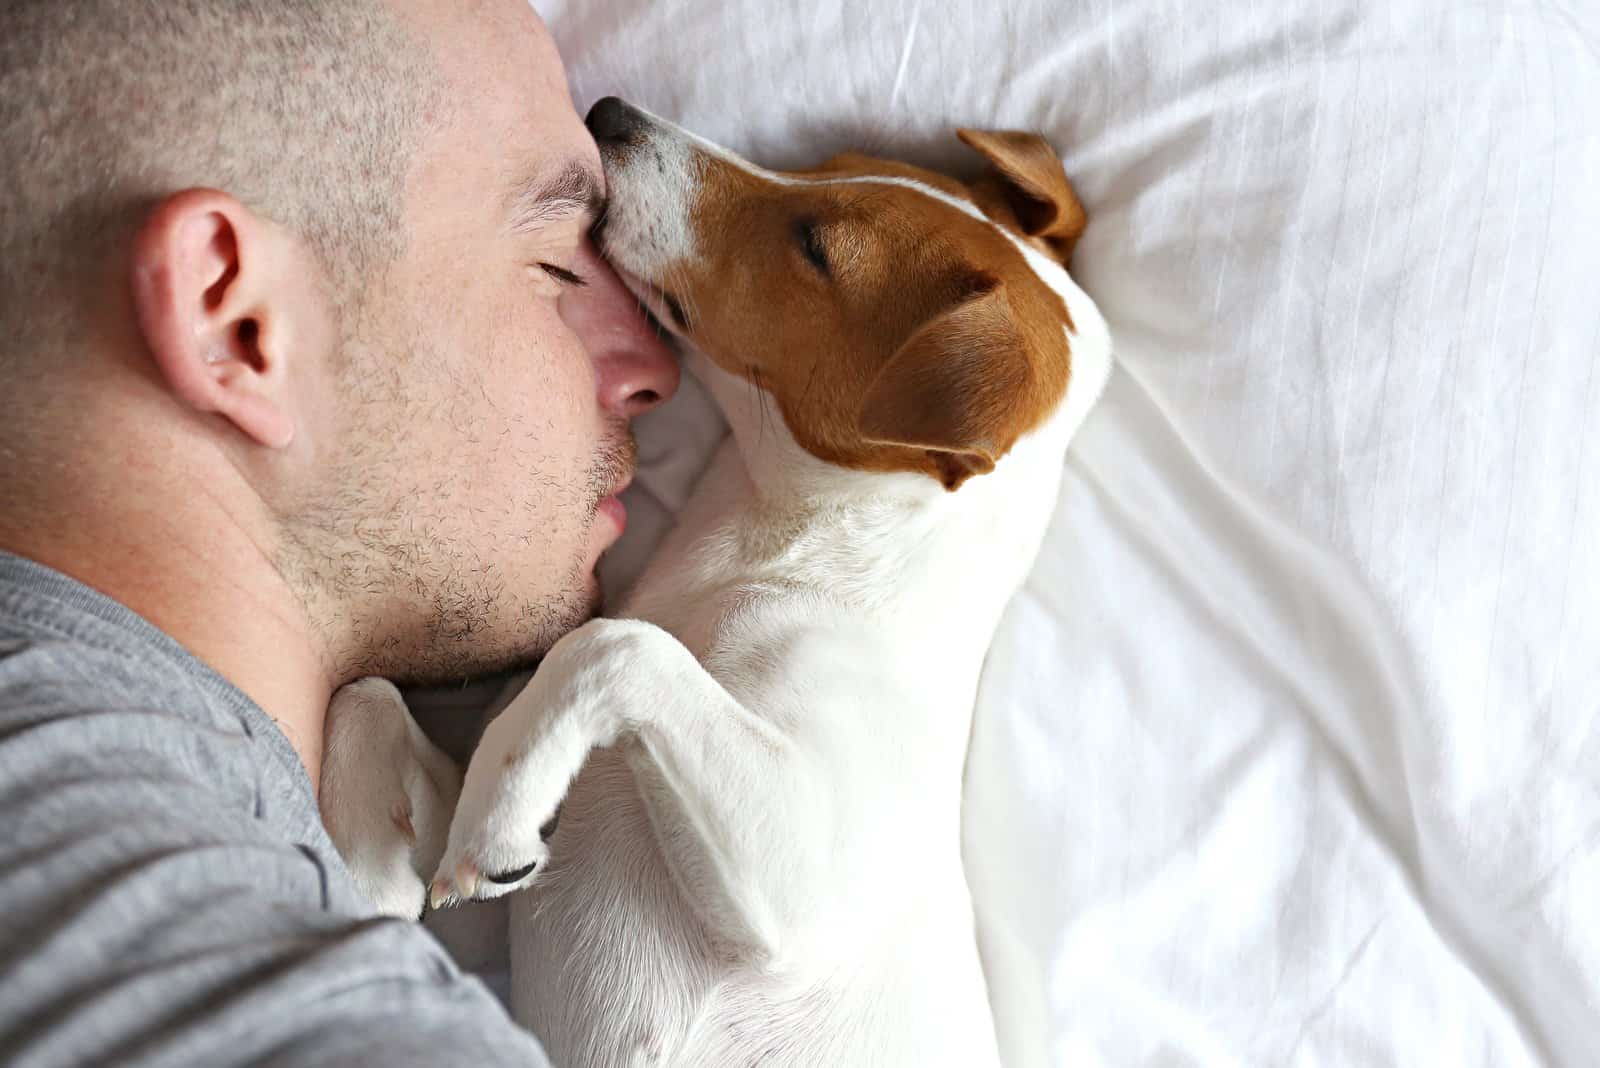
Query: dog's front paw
(387, 795)
(510, 807)
(490, 867)
(585, 693)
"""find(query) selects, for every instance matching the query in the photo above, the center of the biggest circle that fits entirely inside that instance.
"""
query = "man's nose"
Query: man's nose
(634, 370)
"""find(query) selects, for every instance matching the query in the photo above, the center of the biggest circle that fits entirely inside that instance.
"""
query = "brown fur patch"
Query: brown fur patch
(922, 341)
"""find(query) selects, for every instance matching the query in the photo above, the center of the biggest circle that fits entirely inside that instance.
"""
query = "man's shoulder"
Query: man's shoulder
(64, 646)
(92, 695)
(55, 668)
(163, 852)
(52, 675)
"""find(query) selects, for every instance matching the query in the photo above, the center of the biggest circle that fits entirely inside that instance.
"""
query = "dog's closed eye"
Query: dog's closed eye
(811, 244)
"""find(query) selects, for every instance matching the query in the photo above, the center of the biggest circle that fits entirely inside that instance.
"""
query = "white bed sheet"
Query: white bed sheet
(1290, 751)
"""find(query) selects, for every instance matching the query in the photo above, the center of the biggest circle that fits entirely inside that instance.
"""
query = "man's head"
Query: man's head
(319, 261)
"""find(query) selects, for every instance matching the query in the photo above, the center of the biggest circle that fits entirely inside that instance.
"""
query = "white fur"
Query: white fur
(387, 795)
(655, 223)
(759, 857)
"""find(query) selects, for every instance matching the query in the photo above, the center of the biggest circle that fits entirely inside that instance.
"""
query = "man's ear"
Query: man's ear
(955, 389)
(208, 293)
(1028, 177)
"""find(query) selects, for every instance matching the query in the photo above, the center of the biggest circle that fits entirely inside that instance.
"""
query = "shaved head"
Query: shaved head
(304, 111)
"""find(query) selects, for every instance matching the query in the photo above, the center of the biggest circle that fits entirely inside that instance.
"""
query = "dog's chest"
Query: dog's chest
(608, 887)
(610, 965)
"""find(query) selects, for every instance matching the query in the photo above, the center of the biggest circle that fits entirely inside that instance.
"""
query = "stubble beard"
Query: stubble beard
(391, 595)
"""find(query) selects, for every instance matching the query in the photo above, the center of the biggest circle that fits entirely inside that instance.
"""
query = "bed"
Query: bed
(1289, 752)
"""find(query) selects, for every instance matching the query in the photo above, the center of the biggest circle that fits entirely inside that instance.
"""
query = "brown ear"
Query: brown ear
(1030, 181)
(954, 390)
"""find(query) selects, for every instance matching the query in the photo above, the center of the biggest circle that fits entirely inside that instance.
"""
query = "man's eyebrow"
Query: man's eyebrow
(573, 190)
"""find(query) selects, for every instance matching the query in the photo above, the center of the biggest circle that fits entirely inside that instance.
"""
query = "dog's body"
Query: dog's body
(855, 625)
(760, 861)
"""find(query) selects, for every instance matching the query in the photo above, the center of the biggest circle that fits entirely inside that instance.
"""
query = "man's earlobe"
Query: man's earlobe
(204, 289)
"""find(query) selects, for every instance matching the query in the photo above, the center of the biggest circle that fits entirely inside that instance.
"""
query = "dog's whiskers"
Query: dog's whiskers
(679, 277)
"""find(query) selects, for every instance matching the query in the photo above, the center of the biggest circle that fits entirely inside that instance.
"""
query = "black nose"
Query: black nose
(615, 121)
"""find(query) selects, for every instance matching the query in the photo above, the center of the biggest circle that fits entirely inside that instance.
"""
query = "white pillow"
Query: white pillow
(1290, 753)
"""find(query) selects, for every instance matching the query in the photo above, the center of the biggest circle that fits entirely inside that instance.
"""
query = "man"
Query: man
(307, 373)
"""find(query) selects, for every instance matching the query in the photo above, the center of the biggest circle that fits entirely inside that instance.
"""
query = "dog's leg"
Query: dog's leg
(387, 795)
(738, 798)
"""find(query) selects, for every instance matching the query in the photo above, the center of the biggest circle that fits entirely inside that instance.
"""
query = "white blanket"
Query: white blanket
(1290, 751)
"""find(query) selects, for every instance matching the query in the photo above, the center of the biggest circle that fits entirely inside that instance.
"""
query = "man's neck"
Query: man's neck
(168, 547)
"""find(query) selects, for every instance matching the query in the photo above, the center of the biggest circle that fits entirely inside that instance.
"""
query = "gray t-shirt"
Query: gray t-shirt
(167, 893)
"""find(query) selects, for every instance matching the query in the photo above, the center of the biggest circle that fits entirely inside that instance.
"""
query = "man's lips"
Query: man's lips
(611, 505)
(613, 509)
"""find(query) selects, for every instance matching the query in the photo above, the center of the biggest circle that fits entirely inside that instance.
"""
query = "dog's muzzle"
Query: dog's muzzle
(617, 126)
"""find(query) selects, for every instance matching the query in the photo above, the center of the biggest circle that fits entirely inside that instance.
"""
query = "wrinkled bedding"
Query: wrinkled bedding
(1289, 753)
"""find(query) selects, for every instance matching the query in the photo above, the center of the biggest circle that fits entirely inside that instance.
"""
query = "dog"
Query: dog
(758, 768)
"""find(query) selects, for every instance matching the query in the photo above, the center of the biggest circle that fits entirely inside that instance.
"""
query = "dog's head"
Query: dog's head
(901, 320)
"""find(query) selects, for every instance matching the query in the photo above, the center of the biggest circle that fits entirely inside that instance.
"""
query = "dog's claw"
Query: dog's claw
(453, 889)
(506, 878)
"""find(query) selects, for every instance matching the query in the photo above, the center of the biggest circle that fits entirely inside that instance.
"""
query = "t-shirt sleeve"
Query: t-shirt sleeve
(169, 901)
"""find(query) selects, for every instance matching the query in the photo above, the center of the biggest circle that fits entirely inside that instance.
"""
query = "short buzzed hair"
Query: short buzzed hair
(307, 111)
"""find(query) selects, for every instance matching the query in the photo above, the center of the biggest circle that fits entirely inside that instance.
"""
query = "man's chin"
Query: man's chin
(475, 651)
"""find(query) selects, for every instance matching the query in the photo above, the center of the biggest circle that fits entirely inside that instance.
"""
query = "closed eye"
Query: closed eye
(810, 239)
(562, 275)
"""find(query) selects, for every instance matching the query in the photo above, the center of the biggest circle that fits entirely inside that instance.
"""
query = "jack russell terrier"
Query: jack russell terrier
(759, 768)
